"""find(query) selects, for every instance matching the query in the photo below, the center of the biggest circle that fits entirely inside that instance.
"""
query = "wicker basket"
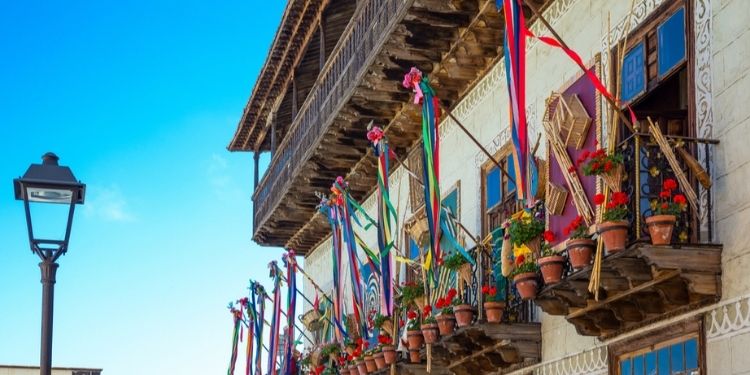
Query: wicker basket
(556, 197)
(311, 319)
(572, 121)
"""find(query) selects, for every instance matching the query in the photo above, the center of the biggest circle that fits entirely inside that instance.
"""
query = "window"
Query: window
(675, 350)
(498, 192)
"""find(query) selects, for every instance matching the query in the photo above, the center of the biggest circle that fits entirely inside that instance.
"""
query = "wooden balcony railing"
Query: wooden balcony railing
(352, 55)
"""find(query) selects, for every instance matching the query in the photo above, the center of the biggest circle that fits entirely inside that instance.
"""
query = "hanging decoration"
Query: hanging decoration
(386, 217)
(515, 72)
(344, 208)
(424, 94)
(329, 209)
(273, 347)
(257, 310)
(236, 323)
(291, 276)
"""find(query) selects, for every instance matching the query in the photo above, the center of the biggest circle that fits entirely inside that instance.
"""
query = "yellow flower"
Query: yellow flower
(521, 250)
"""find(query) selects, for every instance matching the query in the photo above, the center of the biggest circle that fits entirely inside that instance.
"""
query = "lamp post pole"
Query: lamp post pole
(48, 183)
(49, 270)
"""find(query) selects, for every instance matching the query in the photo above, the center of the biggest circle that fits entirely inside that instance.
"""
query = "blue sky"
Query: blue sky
(140, 99)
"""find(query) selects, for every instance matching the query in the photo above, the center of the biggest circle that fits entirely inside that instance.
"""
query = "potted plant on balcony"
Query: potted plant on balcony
(524, 275)
(614, 227)
(525, 229)
(458, 263)
(388, 350)
(608, 167)
(330, 352)
(414, 336)
(661, 223)
(379, 356)
(370, 361)
(350, 346)
(580, 246)
(383, 323)
(429, 326)
(446, 321)
(493, 304)
(550, 263)
(413, 293)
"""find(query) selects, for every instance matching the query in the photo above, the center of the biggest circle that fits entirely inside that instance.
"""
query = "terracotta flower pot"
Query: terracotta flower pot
(446, 324)
(362, 368)
(389, 354)
(526, 284)
(614, 234)
(370, 363)
(660, 228)
(353, 370)
(552, 268)
(580, 251)
(494, 311)
(430, 333)
(464, 315)
(415, 339)
(379, 360)
(415, 356)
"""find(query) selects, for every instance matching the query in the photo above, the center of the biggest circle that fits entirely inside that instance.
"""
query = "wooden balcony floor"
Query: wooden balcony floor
(638, 286)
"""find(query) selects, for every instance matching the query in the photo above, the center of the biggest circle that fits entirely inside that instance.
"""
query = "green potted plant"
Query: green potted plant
(665, 211)
(446, 321)
(614, 226)
(524, 276)
(389, 351)
(414, 335)
(459, 264)
(370, 361)
(383, 323)
(550, 263)
(412, 293)
(606, 166)
(493, 304)
(525, 229)
(378, 355)
(579, 246)
(429, 326)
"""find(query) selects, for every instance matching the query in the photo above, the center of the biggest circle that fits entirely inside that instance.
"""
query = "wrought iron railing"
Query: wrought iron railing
(487, 272)
(647, 167)
(349, 60)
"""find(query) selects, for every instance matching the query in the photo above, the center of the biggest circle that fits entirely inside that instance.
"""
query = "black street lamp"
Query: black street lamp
(48, 183)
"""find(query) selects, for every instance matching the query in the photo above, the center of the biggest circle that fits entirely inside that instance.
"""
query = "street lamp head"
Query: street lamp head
(49, 183)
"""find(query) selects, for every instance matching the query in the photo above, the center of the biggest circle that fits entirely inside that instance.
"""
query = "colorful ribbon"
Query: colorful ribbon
(431, 162)
(258, 305)
(386, 216)
(236, 323)
(291, 307)
(329, 208)
(273, 347)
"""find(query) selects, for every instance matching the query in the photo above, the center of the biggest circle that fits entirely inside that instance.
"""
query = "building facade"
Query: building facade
(337, 65)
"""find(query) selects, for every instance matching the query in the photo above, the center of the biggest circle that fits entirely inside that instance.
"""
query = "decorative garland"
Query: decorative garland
(291, 274)
(257, 309)
(236, 323)
(273, 347)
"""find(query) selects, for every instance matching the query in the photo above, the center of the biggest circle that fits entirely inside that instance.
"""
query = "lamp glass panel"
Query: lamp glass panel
(48, 195)
(49, 221)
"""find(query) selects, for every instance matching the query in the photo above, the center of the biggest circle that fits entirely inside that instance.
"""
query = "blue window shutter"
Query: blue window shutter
(671, 42)
(413, 249)
(633, 74)
(492, 186)
(511, 169)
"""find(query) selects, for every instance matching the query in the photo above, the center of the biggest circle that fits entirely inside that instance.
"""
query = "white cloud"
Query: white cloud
(219, 177)
(107, 203)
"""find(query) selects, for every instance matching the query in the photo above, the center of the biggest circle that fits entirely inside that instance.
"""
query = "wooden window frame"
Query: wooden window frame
(657, 339)
(640, 35)
(501, 154)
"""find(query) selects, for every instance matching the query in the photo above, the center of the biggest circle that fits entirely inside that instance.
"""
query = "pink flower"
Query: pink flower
(375, 134)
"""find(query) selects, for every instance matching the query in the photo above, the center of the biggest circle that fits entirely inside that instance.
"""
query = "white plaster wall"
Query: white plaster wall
(583, 24)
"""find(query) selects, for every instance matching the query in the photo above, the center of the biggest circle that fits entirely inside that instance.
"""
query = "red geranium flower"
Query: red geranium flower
(680, 199)
(664, 206)
(411, 314)
(427, 310)
(572, 169)
(520, 259)
(549, 236)
(598, 199)
(452, 292)
(670, 184)
(486, 289)
(665, 194)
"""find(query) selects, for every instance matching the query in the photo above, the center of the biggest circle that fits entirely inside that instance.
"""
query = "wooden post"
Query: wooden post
(294, 97)
(322, 37)
(256, 158)
(273, 134)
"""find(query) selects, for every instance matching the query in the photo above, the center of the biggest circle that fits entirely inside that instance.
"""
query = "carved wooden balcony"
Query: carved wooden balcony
(483, 348)
(638, 286)
(455, 42)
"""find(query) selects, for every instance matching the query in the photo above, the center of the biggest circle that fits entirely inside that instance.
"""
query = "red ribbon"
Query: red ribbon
(592, 77)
